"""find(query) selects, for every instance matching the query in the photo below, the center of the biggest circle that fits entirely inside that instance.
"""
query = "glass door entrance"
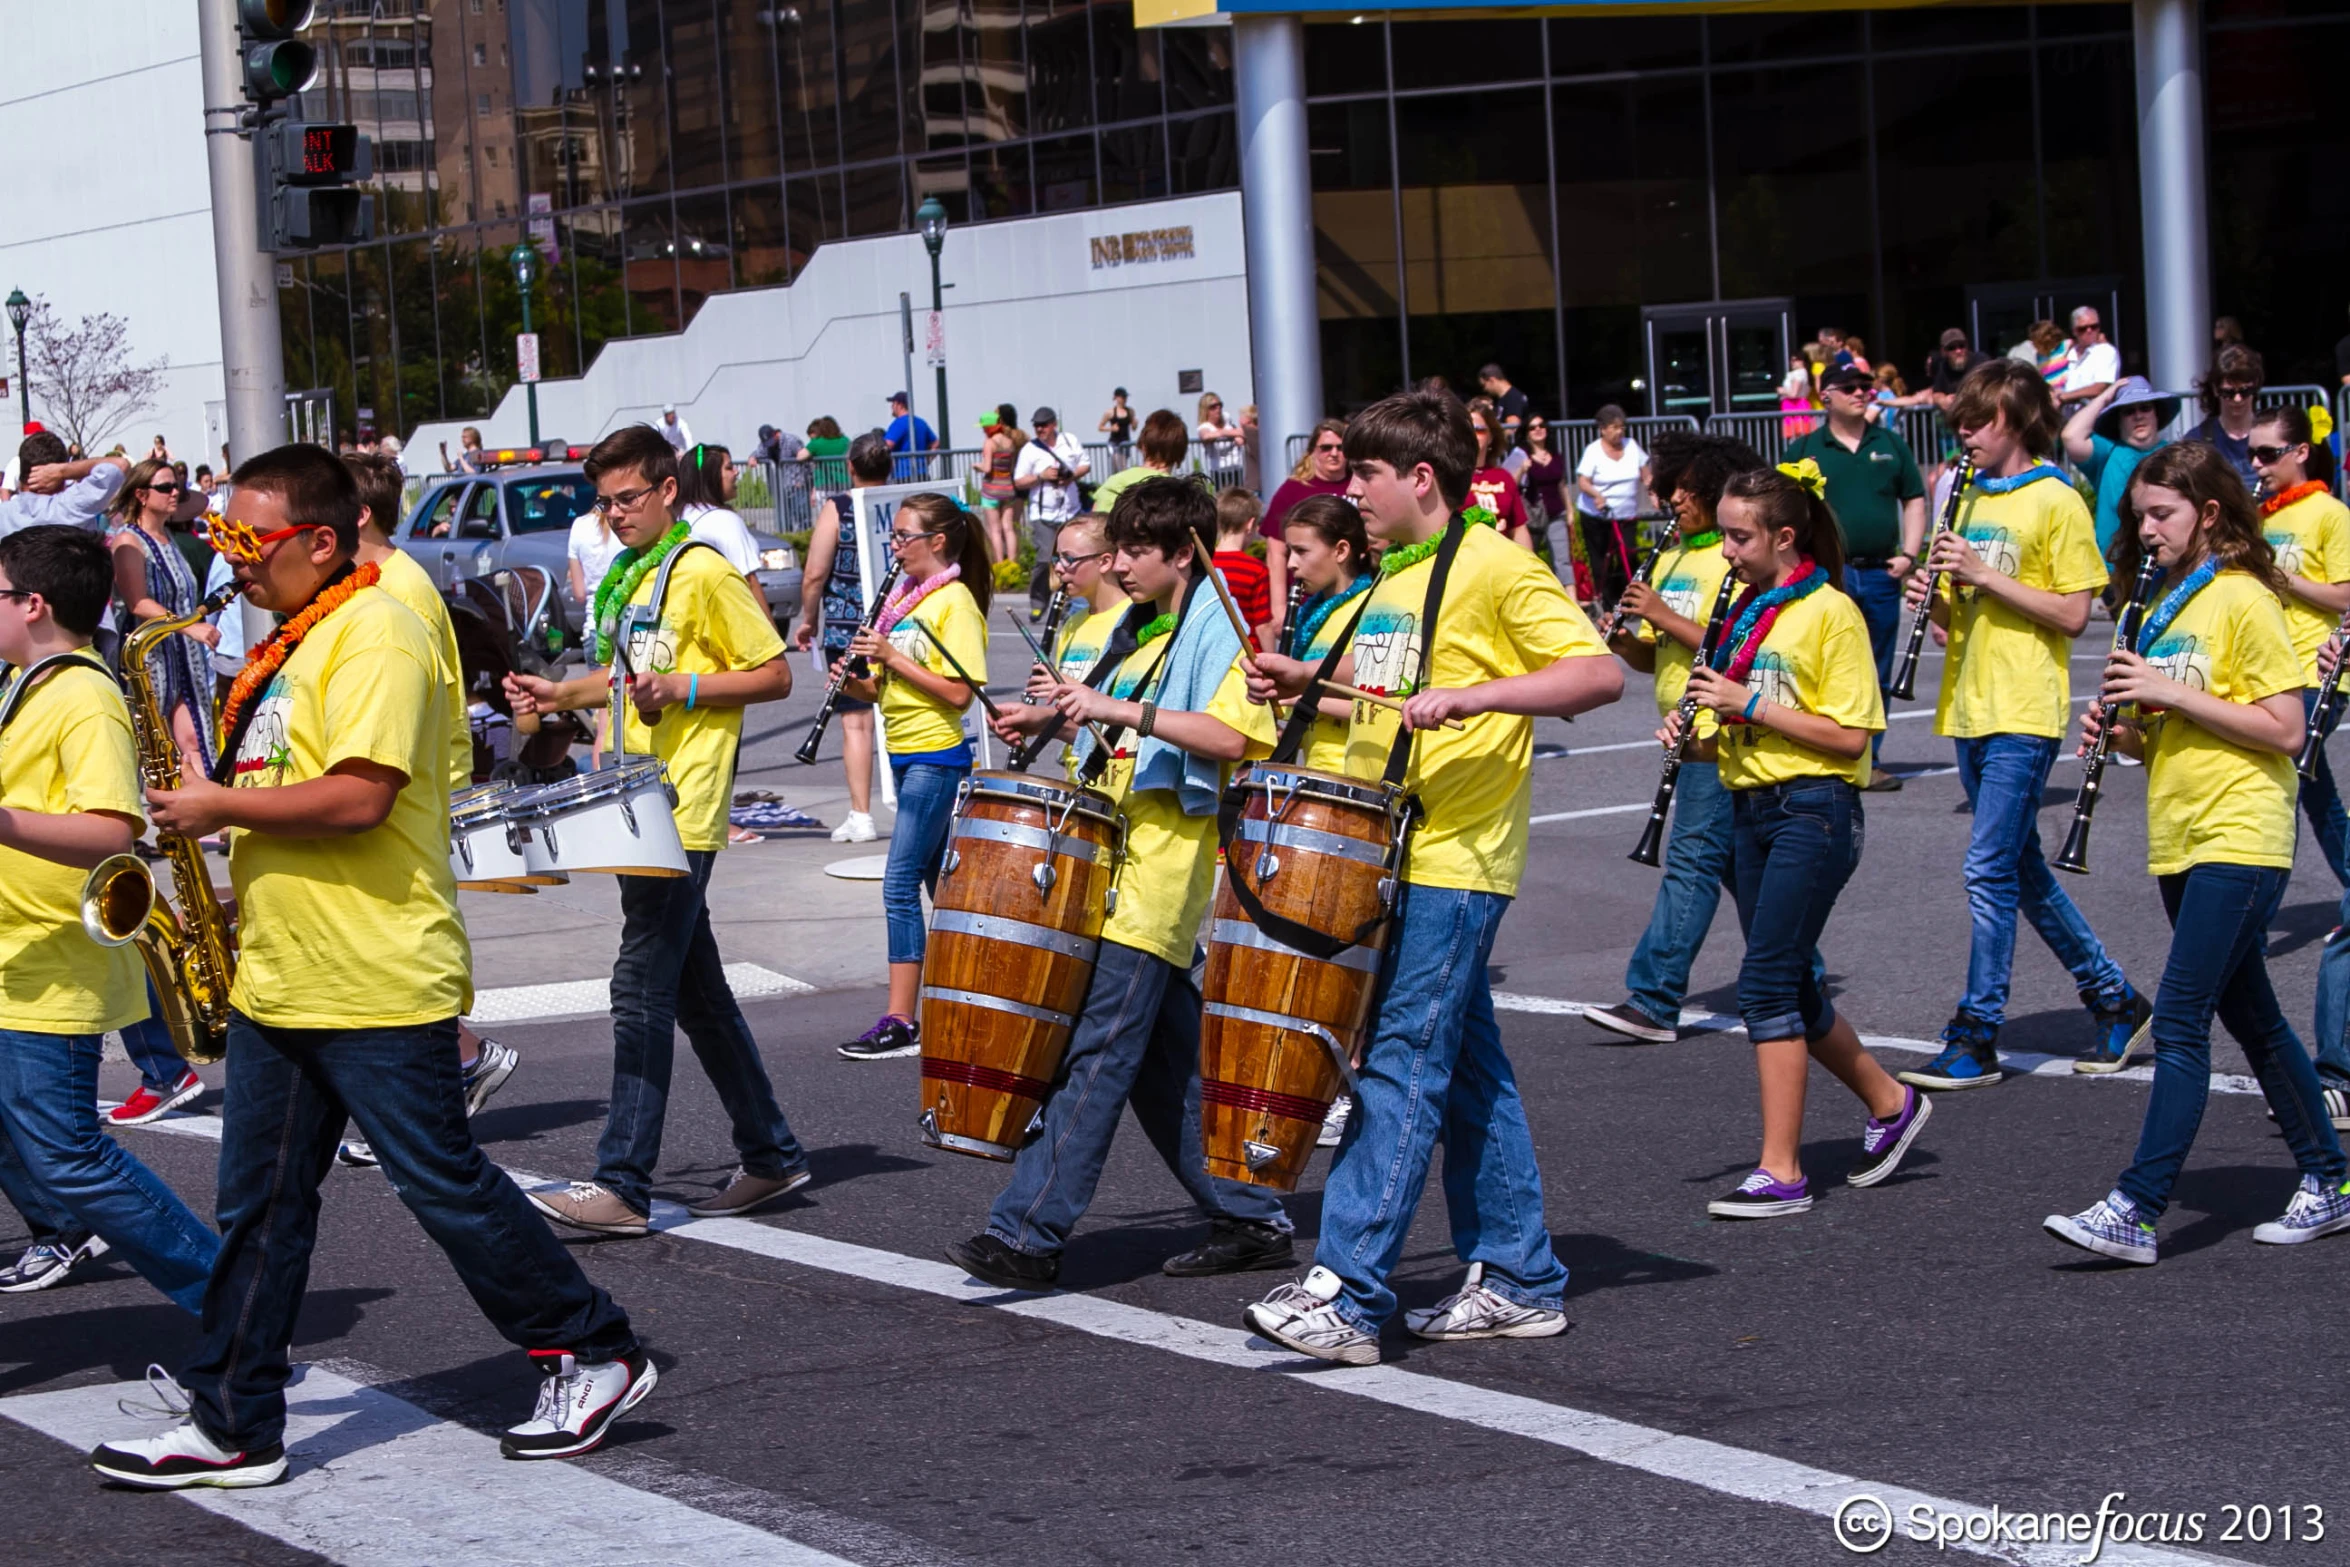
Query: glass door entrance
(1720, 358)
(2000, 315)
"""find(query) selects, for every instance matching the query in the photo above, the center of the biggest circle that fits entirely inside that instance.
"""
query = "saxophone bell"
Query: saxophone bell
(117, 899)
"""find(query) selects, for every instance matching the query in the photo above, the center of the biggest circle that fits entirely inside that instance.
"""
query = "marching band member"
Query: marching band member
(940, 603)
(2020, 567)
(1331, 554)
(352, 967)
(681, 671)
(1461, 624)
(1082, 556)
(1171, 697)
(2217, 684)
(1793, 688)
(2310, 532)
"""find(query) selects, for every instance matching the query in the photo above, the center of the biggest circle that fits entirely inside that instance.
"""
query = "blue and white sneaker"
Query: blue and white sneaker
(1962, 1064)
(46, 1264)
(2123, 1034)
(2316, 1209)
(2110, 1228)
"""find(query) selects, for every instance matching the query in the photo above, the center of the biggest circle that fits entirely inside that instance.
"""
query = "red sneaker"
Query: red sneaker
(147, 1105)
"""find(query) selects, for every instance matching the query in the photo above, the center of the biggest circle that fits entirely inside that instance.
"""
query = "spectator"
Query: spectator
(1798, 394)
(2228, 390)
(2108, 436)
(1836, 355)
(159, 452)
(1891, 392)
(2091, 364)
(907, 435)
(1164, 445)
(153, 579)
(591, 549)
(769, 446)
(1047, 474)
(1321, 471)
(1237, 514)
(2040, 339)
(1252, 468)
(58, 488)
(1000, 440)
(832, 602)
(673, 429)
(1610, 477)
(1945, 368)
(1856, 354)
(2224, 331)
(1219, 443)
(1508, 400)
(1492, 486)
(390, 447)
(706, 479)
(1542, 476)
(1118, 425)
(470, 458)
(828, 449)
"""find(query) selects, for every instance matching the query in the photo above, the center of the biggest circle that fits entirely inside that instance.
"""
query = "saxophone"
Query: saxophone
(191, 956)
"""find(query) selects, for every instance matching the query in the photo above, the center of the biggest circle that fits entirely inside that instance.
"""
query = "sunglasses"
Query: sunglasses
(163, 489)
(623, 500)
(1331, 447)
(240, 543)
(2237, 394)
(2270, 454)
(2088, 326)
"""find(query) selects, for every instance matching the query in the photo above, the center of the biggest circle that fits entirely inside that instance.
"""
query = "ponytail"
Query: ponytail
(1782, 502)
(960, 540)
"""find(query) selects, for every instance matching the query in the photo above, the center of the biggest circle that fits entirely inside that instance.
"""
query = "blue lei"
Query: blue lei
(1320, 612)
(2175, 601)
(1758, 605)
(2031, 475)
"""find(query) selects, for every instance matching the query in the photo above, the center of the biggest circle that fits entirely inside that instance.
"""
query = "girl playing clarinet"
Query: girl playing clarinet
(1330, 553)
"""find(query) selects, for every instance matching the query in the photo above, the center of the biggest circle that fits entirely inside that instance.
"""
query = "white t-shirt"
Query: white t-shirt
(1618, 479)
(1050, 502)
(715, 525)
(2100, 366)
(595, 548)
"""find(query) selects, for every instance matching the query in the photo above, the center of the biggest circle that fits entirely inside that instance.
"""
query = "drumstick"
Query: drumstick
(1376, 700)
(980, 692)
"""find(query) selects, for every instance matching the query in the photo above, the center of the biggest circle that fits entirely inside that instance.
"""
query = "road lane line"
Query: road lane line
(585, 997)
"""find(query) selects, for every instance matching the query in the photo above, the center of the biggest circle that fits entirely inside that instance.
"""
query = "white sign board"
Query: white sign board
(526, 356)
(876, 508)
(934, 340)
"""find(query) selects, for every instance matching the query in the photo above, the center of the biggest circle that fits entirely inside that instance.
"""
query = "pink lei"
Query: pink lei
(907, 594)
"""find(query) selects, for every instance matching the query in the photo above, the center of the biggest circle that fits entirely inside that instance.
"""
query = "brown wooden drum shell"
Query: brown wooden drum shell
(997, 936)
(1262, 1083)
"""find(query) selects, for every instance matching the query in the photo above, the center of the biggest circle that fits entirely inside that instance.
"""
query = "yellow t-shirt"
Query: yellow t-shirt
(358, 931)
(913, 721)
(1816, 660)
(1325, 746)
(1081, 640)
(1170, 865)
(2006, 675)
(2312, 539)
(1689, 581)
(2207, 799)
(70, 750)
(406, 581)
(1503, 614)
(710, 625)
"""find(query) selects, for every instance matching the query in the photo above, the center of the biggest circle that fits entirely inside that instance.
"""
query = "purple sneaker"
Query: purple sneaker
(892, 1036)
(1763, 1196)
(1882, 1143)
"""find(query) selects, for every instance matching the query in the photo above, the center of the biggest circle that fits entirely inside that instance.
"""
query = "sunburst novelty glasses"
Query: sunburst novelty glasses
(239, 542)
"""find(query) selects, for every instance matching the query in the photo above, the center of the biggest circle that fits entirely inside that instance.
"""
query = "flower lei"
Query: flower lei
(2299, 492)
(1322, 610)
(1155, 630)
(266, 660)
(908, 593)
(621, 580)
(1756, 612)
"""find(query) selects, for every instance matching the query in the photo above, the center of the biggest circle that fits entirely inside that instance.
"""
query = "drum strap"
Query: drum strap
(650, 608)
(1097, 761)
(12, 697)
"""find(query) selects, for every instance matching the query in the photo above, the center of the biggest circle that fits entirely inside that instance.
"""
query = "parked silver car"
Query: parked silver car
(467, 525)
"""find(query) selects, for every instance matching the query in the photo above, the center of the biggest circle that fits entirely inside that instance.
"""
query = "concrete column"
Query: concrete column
(2171, 193)
(1277, 204)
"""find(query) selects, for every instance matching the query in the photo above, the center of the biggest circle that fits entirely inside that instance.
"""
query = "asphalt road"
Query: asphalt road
(829, 1386)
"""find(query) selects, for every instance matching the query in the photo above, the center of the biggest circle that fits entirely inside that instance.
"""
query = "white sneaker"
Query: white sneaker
(357, 1153)
(1302, 1317)
(488, 1074)
(577, 1404)
(2316, 1209)
(856, 827)
(1473, 1311)
(46, 1265)
(2110, 1228)
(183, 1457)
(1334, 1124)
(2337, 1102)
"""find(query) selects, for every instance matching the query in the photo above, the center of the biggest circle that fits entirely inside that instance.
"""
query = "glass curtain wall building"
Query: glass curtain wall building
(1551, 193)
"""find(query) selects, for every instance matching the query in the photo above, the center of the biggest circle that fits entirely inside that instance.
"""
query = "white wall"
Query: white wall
(1029, 320)
(107, 205)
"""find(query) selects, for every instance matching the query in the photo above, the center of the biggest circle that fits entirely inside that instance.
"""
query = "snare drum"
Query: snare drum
(486, 843)
(617, 820)
(1022, 895)
(1280, 1027)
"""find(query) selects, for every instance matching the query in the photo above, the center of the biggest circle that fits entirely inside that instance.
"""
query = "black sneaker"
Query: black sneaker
(1630, 1021)
(1234, 1246)
(892, 1036)
(577, 1404)
(986, 1258)
(1969, 1058)
(2121, 1034)
(46, 1264)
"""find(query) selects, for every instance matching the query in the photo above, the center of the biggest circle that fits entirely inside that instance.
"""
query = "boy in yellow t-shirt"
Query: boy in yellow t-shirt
(2310, 532)
(1081, 565)
(69, 798)
(1507, 644)
(1170, 696)
(2019, 569)
(678, 675)
(352, 966)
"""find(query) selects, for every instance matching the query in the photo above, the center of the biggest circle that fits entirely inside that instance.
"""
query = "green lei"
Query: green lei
(1155, 630)
(1410, 555)
(1700, 541)
(625, 575)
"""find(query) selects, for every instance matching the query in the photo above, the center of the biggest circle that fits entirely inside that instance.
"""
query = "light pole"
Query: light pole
(525, 259)
(20, 310)
(931, 217)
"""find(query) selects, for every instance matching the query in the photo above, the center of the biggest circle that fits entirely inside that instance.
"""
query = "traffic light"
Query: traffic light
(277, 63)
(310, 173)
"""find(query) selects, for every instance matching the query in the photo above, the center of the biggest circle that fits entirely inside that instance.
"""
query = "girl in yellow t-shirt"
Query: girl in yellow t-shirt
(2217, 689)
(1793, 684)
(1330, 554)
(2310, 531)
(929, 635)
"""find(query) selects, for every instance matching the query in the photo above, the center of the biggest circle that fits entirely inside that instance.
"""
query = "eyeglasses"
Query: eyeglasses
(2270, 454)
(240, 543)
(623, 500)
(2238, 394)
(1069, 562)
(18, 593)
(896, 538)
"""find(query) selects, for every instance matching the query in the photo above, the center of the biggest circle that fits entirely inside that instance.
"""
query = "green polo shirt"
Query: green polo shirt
(1865, 487)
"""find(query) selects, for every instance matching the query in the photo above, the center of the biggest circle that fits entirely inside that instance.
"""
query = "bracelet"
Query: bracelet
(693, 686)
(1150, 719)
(1752, 703)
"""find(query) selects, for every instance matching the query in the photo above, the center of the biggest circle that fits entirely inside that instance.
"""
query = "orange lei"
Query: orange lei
(2299, 492)
(267, 659)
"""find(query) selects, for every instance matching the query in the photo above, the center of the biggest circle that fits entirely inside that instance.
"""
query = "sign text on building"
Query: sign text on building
(1126, 250)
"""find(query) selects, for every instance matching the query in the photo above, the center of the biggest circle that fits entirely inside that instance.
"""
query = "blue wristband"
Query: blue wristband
(1752, 703)
(693, 684)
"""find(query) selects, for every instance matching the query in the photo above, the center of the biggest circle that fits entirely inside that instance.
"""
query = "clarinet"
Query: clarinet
(2326, 714)
(1905, 679)
(1297, 598)
(2074, 856)
(847, 668)
(1652, 837)
(1646, 574)
(1024, 755)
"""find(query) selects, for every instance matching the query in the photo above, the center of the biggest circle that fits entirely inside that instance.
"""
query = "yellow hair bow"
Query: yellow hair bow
(2321, 422)
(1807, 473)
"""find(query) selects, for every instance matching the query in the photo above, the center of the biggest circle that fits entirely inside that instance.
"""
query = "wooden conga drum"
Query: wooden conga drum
(1017, 920)
(1280, 1025)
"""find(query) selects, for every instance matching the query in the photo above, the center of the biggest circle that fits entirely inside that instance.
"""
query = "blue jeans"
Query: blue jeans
(669, 976)
(2321, 802)
(926, 808)
(2333, 1003)
(69, 1179)
(1434, 1069)
(2219, 918)
(1879, 598)
(283, 1109)
(1797, 845)
(2003, 776)
(148, 1043)
(1697, 868)
(1136, 1040)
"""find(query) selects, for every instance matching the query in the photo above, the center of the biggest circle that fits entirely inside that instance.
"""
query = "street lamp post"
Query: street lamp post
(525, 259)
(931, 217)
(20, 310)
